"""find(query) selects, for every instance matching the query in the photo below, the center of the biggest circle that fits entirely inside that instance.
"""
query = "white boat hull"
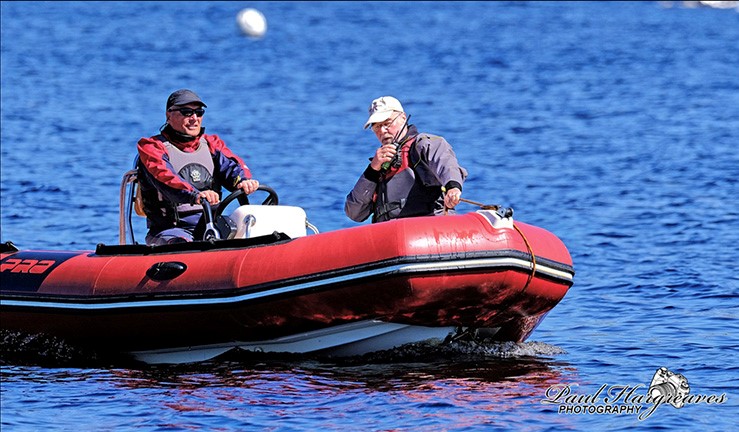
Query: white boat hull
(351, 339)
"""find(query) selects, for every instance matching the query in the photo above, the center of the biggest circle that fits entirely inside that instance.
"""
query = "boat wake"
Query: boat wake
(44, 350)
(460, 350)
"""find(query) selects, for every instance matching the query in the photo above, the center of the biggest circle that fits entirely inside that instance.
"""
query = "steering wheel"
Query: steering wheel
(244, 200)
(214, 226)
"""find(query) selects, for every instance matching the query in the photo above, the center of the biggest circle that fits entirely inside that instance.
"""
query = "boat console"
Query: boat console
(258, 220)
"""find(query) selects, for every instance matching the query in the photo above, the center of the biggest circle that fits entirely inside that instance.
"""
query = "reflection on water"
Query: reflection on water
(429, 383)
(407, 368)
(436, 382)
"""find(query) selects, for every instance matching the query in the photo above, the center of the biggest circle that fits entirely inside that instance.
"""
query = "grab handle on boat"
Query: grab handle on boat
(249, 222)
(166, 270)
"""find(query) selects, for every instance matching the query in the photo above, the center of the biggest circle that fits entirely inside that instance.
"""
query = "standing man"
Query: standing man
(411, 173)
(182, 166)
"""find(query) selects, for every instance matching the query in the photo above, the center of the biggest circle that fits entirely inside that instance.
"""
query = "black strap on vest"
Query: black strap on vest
(384, 209)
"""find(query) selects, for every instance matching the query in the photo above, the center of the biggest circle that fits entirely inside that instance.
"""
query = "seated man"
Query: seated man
(182, 166)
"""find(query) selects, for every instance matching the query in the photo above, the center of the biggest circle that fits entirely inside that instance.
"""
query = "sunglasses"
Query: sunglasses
(187, 112)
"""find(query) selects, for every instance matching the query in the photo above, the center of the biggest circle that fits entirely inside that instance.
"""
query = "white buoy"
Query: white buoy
(252, 22)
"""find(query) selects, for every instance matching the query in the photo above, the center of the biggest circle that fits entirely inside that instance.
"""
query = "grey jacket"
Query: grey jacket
(414, 191)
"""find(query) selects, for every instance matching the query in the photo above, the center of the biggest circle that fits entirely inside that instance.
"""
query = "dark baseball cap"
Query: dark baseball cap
(183, 97)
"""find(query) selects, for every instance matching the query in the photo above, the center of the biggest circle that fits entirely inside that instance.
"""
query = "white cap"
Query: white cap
(381, 109)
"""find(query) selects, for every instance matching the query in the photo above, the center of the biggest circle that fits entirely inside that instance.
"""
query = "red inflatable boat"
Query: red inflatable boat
(344, 292)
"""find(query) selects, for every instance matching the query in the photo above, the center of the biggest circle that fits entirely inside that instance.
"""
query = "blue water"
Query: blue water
(613, 125)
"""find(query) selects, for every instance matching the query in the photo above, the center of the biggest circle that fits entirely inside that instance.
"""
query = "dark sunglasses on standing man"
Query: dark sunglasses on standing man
(187, 112)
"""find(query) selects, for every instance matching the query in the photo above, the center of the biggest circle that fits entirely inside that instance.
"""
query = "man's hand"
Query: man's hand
(451, 197)
(210, 196)
(248, 186)
(382, 155)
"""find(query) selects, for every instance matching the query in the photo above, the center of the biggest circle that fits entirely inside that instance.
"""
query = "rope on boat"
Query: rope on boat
(482, 206)
(523, 236)
(533, 258)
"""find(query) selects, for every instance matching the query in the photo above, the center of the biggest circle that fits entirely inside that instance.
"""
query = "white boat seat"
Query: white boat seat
(258, 220)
